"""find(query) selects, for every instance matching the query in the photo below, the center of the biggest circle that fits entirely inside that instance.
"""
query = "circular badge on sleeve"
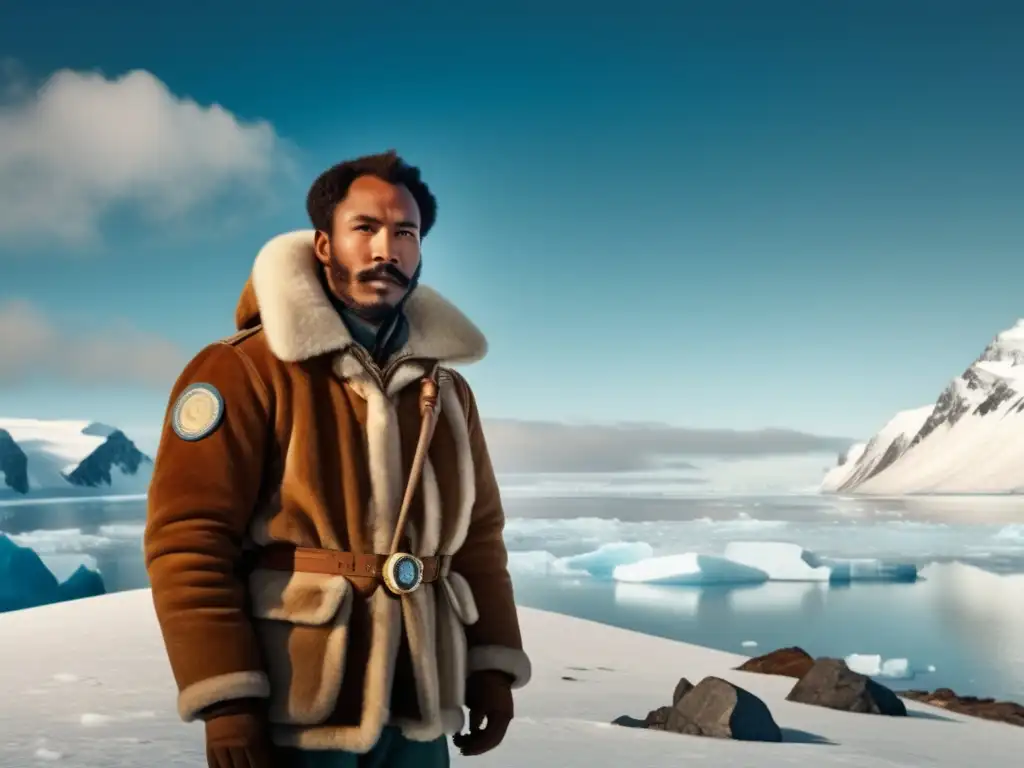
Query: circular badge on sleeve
(197, 411)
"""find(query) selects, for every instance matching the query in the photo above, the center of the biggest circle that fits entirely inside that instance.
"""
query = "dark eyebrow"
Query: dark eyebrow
(365, 219)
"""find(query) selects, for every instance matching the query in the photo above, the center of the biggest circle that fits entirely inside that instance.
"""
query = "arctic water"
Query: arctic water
(960, 624)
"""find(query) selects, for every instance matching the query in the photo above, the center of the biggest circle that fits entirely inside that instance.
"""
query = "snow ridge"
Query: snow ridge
(970, 441)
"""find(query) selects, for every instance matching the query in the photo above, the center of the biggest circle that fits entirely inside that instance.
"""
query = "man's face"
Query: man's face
(373, 248)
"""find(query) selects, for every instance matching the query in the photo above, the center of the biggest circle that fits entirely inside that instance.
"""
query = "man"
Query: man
(324, 533)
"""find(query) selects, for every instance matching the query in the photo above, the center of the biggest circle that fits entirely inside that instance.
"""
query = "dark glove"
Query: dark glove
(237, 736)
(488, 696)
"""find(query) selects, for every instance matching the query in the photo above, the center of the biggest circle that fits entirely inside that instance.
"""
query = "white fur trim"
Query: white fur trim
(508, 660)
(452, 721)
(404, 375)
(456, 415)
(446, 679)
(420, 615)
(300, 322)
(213, 690)
(297, 597)
(347, 366)
(430, 537)
(384, 449)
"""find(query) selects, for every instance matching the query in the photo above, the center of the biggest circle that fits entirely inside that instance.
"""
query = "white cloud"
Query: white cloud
(82, 144)
(33, 348)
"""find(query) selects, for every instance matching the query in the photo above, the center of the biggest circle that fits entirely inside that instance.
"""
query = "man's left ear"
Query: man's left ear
(322, 247)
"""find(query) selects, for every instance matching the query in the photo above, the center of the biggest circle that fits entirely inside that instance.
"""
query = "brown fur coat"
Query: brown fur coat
(314, 448)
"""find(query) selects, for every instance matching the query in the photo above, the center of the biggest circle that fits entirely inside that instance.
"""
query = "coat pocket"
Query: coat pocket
(461, 599)
(456, 610)
(301, 621)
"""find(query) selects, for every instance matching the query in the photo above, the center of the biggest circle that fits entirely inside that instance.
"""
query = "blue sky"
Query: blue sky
(728, 214)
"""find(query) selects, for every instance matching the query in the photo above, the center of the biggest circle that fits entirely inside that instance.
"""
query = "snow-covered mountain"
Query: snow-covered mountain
(69, 458)
(970, 441)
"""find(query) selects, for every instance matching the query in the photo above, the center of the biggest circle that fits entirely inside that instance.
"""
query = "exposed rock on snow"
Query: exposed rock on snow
(715, 708)
(788, 662)
(682, 688)
(796, 662)
(989, 709)
(830, 683)
(722, 710)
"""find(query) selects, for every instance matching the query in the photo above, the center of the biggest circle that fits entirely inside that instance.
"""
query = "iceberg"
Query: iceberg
(535, 563)
(780, 561)
(873, 665)
(869, 569)
(742, 562)
(688, 569)
(603, 561)
(26, 582)
(755, 562)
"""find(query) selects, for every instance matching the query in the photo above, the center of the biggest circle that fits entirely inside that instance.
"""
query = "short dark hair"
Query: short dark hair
(332, 185)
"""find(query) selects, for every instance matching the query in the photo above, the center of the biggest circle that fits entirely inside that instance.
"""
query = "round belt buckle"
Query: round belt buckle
(403, 573)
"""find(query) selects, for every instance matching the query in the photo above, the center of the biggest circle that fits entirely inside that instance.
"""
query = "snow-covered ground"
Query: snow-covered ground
(970, 441)
(87, 684)
(53, 450)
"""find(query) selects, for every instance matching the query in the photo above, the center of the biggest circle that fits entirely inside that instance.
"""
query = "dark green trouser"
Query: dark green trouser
(392, 751)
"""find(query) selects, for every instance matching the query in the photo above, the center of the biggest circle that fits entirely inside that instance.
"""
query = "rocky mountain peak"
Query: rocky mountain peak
(117, 451)
(13, 463)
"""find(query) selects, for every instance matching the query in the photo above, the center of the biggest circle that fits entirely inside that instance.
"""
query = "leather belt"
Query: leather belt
(333, 562)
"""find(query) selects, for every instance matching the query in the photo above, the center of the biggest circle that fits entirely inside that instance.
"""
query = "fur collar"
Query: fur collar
(299, 321)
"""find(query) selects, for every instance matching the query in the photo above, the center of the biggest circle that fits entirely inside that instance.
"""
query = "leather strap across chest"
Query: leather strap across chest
(336, 563)
(331, 562)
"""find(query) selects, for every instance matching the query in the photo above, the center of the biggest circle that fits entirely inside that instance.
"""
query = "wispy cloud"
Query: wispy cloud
(81, 145)
(33, 348)
(525, 446)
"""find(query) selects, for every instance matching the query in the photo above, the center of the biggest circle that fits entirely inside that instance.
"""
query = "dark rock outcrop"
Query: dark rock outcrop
(830, 683)
(787, 662)
(657, 718)
(116, 451)
(683, 687)
(721, 710)
(629, 722)
(715, 708)
(985, 708)
(13, 463)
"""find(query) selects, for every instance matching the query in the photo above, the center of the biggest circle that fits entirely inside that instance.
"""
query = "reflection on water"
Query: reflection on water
(68, 514)
(971, 633)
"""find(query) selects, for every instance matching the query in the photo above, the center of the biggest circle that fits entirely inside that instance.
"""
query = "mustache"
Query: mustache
(384, 272)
